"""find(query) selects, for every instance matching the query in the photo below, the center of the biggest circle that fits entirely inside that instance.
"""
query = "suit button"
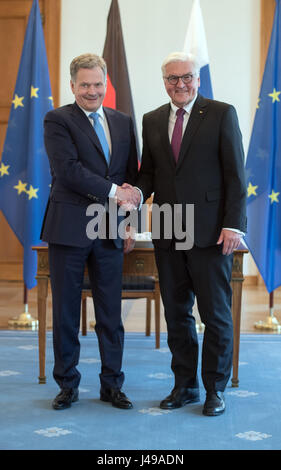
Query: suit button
(108, 177)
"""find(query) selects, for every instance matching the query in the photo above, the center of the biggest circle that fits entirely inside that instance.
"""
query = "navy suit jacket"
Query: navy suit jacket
(80, 174)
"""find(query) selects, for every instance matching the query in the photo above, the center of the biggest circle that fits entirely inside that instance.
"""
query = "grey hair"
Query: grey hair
(87, 61)
(181, 57)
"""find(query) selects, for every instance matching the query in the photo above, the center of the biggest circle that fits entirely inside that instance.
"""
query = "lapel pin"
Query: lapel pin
(201, 112)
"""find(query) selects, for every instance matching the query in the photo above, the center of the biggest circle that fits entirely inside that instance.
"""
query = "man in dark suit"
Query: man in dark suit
(91, 151)
(193, 154)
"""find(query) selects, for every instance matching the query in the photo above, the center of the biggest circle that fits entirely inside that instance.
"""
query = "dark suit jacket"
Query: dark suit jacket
(209, 172)
(80, 173)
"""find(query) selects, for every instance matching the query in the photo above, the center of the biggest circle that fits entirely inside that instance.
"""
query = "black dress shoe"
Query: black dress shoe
(180, 397)
(214, 404)
(65, 398)
(116, 397)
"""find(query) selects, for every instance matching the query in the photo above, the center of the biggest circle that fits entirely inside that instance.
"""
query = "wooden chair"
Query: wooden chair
(135, 286)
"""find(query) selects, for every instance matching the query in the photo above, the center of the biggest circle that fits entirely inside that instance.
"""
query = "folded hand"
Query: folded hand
(128, 197)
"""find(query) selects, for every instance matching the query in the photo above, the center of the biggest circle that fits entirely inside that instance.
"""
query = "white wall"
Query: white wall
(154, 28)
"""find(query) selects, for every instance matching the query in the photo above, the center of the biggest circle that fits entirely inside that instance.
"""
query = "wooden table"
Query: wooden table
(144, 257)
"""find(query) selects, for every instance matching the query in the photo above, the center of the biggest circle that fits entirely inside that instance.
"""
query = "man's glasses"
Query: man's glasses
(173, 79)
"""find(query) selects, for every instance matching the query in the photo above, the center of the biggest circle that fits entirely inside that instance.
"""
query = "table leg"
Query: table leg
(236, 315)
(42, 292)
(237, 281)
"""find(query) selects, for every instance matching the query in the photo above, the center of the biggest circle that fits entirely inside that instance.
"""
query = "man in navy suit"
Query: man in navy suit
(193, 154)
(92, 152)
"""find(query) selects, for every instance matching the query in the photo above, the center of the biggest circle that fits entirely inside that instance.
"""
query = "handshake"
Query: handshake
(128, 197)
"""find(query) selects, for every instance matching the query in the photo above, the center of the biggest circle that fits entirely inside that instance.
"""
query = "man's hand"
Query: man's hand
(230, 240)
(130, 239)
(128, 197)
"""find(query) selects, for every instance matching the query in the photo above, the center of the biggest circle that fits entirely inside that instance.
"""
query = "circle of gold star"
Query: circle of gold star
(33, 92)
(252, 190)
(32, 192)
(274, 95)
(274, 197)
(21, 187)
(4, 169)
(18, 101)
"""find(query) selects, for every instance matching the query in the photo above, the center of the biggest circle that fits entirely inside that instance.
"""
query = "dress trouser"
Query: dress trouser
(67, 265)
(204, 273)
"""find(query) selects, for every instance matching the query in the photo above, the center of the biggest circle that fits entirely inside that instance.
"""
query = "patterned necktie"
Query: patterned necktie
(101, 135)
(177, 133)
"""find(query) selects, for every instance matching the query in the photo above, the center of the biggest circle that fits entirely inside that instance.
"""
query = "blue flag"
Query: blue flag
(196, 43)
(263, 168)
(24, 170)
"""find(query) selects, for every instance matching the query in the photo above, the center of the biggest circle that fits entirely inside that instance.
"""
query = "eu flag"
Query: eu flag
(24, 170)
(263, 168)
(196, 43)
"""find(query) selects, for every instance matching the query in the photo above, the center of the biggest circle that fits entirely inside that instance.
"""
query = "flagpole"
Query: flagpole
(25, 320)
(271, 322)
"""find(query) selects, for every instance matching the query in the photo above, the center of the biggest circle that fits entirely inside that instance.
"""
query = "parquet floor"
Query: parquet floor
(255, 308)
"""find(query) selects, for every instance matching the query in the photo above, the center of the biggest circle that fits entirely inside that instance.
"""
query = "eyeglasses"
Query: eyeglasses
(173, 79)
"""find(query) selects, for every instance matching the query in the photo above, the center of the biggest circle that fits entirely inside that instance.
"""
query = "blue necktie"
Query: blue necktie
(101, 135)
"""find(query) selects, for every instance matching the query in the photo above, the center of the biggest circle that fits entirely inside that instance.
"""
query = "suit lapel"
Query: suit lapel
(164, 124)
(197, 115)
(83, 122)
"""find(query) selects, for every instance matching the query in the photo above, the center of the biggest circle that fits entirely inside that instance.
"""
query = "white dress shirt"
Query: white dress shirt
(173, 117)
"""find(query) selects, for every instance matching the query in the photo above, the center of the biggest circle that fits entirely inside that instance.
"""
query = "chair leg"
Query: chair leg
(84, 317)
(148, 317)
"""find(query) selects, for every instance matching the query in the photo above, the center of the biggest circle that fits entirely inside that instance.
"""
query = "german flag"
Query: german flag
(118, 95)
